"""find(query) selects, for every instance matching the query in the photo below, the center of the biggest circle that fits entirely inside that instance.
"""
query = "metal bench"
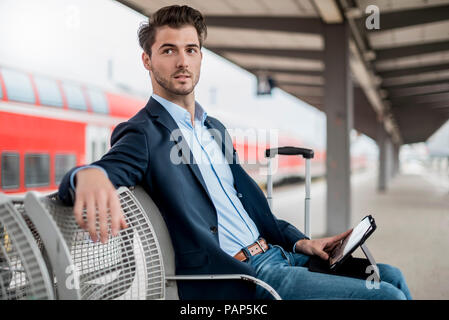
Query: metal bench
(23, 270)
(136, 264)
(165, 244)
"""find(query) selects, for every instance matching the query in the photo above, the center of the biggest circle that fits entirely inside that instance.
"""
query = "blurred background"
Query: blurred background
(363, 83)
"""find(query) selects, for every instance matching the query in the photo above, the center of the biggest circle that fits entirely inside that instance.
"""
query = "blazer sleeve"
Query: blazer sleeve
(125, 163)
(291, 233)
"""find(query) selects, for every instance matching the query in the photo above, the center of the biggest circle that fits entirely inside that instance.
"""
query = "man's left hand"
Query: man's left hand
(320, 247)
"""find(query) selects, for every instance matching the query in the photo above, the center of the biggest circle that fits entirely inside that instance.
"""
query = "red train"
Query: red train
(47, 126)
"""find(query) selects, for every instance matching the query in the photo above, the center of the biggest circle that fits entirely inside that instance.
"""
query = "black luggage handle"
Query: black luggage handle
(289, 151)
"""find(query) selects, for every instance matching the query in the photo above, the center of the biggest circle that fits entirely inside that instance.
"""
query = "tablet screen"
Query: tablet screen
(351, 241)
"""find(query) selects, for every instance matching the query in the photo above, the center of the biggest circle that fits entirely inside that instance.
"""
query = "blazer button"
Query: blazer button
(213, 229)
(239, 195)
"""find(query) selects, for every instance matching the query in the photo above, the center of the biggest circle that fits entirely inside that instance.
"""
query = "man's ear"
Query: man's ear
(146, 61)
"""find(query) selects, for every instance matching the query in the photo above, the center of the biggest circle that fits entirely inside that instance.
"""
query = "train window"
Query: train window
(10, 170)
(37, 170)
(98, 100)
(63, 163)
(18, 86)
(75, 97)
(49, 93)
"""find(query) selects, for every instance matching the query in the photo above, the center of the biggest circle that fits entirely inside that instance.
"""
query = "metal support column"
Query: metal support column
(385, 158)
(338, 105)
(390, 158)
(396, 165)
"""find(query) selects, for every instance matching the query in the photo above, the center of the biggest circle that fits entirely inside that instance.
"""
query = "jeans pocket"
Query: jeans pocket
(284, 254)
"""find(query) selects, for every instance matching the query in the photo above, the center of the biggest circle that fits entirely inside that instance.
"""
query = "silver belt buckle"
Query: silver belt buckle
(263, 250)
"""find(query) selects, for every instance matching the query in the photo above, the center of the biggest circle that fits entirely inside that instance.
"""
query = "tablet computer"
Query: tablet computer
(352, 241)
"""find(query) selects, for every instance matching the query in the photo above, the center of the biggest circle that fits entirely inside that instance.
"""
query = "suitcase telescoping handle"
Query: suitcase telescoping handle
(291, 151)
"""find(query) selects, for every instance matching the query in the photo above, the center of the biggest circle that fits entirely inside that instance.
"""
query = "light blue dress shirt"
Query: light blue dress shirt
(235, 228)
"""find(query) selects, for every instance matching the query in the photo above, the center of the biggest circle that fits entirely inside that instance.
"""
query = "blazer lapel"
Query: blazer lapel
(161, 115)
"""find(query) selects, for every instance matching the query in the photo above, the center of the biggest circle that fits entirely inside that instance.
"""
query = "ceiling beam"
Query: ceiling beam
(418, 125)
(290, 53)
(267, 23)
(362, 67)
(303, 91)
(411, 17)
(411, 50)
(414, 84)
(419, 90)
(365, 117)
(428, 105)
(314, 101)
(133, 6)
(287, 71)
(414, 70)
(441, 107)
(329, 11)
(310, 100)
(297, 83)
(432, 97)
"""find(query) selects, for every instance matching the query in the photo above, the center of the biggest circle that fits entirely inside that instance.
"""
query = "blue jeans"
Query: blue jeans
(287, 274)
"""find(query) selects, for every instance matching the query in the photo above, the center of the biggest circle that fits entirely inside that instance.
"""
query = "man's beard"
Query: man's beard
(168, 86)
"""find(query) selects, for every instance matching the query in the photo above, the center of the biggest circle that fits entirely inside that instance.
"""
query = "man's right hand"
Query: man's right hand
(95, 190)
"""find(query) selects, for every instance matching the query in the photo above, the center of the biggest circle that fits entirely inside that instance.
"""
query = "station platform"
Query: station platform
(412, 220)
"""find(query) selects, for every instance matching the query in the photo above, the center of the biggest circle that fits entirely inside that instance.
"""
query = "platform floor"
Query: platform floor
(412, 219)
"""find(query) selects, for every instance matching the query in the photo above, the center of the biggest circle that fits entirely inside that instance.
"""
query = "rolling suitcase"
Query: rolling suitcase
(355, 267)
(291, 151)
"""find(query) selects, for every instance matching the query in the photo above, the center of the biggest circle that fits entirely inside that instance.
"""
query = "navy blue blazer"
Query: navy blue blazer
(140, 154)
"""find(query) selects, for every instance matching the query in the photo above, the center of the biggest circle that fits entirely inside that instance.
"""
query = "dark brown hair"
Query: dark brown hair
(174, 16)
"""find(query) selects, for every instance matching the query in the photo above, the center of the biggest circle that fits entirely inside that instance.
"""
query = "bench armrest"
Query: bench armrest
(244, 277)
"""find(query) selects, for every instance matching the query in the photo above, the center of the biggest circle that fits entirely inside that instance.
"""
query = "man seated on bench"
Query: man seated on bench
(217, 216)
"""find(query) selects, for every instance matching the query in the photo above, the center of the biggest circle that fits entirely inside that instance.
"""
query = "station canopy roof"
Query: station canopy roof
(400, 71)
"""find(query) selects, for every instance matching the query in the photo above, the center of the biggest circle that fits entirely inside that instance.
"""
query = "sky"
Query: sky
(95, 42)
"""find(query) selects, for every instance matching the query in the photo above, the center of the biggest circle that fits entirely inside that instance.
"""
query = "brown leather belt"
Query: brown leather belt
(254, 249)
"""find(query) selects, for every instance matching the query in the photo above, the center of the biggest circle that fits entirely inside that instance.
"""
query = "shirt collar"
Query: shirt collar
(178, 113)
